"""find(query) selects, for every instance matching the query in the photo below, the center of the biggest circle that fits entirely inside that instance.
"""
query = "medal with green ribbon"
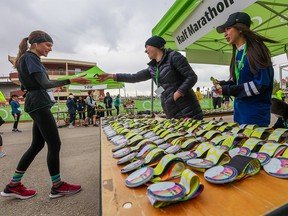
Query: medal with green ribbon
(157, 75)
(239, 66)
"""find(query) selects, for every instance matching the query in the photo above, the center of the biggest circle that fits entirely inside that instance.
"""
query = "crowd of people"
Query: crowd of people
(218, 100)
(89, 112)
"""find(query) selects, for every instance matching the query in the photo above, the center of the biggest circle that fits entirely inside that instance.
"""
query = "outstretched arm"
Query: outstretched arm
(140, 76)
(45, 83)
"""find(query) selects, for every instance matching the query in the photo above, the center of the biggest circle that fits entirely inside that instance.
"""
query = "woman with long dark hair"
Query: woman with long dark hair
(34, 79)
(251, 71)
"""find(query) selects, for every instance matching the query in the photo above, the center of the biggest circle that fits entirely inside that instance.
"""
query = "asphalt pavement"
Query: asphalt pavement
(80, 164)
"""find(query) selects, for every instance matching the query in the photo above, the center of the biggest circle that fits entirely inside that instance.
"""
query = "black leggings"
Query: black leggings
(109, 112)
(117, 108)
(1, 141)
(16, 120)
(44, 130)
(72, 117)
(217, 102)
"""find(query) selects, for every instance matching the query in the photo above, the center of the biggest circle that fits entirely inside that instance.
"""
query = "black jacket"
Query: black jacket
(175, 74)
(108, 101)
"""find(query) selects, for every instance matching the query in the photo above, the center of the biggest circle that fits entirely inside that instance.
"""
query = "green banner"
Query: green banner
(140, 105)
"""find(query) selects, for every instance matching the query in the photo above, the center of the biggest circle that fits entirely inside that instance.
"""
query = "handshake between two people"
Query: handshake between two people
(99, 77)
(104, 76)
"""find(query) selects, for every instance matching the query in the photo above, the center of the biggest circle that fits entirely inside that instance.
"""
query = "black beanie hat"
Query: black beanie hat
(156, 41)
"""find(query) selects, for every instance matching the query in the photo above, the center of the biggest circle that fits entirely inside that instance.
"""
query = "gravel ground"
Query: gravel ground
(80, 154)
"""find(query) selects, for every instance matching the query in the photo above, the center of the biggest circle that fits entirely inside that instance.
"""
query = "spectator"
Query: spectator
(16, 111)
(99, 112)
(198, 94)
(117, 103)
(91, 113)
(216, 97)
(81, 108)
(108, 103)
(72, 107)
(280, 95)
(132, 107)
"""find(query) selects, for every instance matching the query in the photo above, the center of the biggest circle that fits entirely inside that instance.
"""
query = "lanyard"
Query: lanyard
(157, 75)
(286, 123)
(240, 65)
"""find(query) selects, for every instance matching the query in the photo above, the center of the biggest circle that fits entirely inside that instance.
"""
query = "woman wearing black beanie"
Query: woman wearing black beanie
(173, 76)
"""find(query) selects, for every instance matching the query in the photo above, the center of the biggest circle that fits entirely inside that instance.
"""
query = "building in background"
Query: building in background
(7, 86)
(56, 68)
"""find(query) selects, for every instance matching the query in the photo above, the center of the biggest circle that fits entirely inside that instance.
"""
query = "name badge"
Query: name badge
(159, 90)
(50, 93)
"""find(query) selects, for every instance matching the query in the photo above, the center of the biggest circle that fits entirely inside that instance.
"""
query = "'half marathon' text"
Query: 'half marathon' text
(209, 15)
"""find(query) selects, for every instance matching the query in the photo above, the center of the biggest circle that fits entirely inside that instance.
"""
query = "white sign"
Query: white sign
(208, 15)
(87, 87)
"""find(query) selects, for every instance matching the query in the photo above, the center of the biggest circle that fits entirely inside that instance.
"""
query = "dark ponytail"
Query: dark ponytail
(23, 47)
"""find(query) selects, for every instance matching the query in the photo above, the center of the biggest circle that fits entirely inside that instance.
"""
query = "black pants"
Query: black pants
(100, 114)
(16, 120)
(44, 130)
(217, 102)
(109, 112)
(82, 114)
(72, 117)
(117, 108)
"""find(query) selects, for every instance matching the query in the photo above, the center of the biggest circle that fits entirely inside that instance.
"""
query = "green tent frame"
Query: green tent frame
(212, 48)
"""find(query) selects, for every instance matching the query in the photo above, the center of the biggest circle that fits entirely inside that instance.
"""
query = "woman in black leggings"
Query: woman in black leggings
(34, 79)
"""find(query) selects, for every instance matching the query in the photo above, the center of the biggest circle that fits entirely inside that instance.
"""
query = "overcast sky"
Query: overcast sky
(111, 33)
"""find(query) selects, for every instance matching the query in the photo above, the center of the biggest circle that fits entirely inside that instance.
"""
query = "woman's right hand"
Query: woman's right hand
(103, 77)
(80, 80)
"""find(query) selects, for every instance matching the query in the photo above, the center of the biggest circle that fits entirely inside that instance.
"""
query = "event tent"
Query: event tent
(2, 97)
(91, 74)
(189, 25)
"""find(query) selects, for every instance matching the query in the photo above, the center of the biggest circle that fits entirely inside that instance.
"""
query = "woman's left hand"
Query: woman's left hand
(219, 90)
